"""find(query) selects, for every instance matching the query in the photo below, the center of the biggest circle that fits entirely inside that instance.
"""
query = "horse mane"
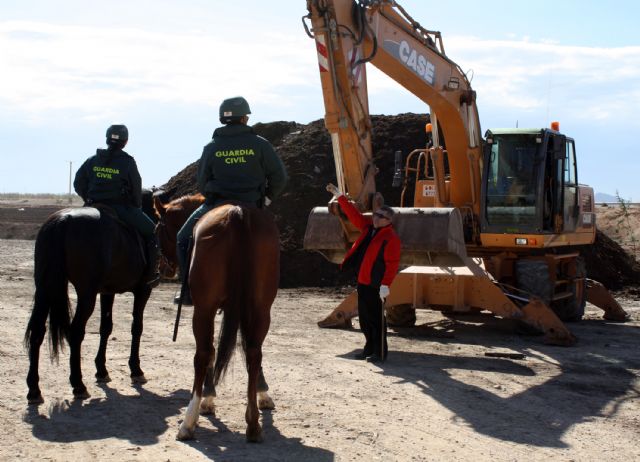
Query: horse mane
(189, 201)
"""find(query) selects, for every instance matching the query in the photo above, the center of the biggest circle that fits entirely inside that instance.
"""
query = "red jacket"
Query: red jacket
(382, 256)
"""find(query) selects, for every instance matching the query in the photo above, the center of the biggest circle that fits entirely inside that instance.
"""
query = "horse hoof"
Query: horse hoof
(184, 434)
(266, 403)
(207, 408)
(35, 400)
(81, 394)
(103, 379)
(254, 436)
(139, 379)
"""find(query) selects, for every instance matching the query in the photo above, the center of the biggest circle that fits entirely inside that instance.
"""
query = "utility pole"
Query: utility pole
(70, 166)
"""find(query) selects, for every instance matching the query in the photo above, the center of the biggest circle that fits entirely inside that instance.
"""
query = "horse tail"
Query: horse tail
(237, 307)
(51, 297)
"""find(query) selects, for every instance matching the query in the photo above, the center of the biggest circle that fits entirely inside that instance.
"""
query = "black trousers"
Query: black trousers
(372, 321)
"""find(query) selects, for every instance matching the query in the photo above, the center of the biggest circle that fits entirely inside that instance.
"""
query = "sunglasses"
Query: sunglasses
(380, 215)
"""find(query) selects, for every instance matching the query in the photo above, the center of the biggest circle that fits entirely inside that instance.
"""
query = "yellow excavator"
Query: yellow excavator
(495, 223)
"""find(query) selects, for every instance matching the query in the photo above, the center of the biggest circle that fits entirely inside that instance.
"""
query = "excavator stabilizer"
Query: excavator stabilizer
(598, 295)
(460, 289)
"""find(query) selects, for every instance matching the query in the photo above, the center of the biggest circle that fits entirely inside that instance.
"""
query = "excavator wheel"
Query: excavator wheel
(533, 276)
(401, 315)
(572, 309)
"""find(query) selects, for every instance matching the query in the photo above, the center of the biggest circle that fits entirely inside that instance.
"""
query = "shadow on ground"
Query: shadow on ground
(585, 382)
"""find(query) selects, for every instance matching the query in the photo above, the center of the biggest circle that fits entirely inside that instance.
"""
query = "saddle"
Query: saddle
(137, 237)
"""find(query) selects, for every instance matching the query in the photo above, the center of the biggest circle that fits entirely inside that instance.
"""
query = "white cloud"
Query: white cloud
(94, 71)
(527, 75)
(520, 77)
(87, 69)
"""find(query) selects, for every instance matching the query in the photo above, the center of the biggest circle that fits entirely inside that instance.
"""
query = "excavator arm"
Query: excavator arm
(348, 35)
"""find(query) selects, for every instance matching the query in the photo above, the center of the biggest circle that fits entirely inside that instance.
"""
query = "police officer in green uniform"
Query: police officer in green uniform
(111, 177)
(236, 165)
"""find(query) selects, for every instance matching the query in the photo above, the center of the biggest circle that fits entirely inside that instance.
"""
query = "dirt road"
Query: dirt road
(439, 396)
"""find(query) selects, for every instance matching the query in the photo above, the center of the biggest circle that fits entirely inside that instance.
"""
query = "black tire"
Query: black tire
(572, 309)
(401, 315)
(533, 276)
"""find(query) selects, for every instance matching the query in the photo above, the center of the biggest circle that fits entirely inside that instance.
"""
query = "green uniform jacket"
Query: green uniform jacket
(239, 165)
(111, 177)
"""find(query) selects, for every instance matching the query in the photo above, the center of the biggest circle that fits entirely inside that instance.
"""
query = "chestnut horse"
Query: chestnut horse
(95, 252)
(235, 267)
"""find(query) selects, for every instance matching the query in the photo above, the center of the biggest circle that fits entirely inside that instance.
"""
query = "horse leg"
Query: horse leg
(202, 325)
(38, 330)
(207, 406)
(86, 305)
(264, 400)
(254, 359)
(106, 327)
(140, 299)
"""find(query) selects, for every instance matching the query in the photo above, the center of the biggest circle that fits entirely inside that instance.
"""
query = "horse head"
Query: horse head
(171, 218)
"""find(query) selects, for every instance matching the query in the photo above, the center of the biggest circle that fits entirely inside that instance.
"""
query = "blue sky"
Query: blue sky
(71, 68)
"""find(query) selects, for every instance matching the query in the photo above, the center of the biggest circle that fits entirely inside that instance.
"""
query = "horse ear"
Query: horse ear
(159, 206)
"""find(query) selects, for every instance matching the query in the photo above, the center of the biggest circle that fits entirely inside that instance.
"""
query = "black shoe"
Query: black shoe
(375, 358)
(361, 356)
(186, 300)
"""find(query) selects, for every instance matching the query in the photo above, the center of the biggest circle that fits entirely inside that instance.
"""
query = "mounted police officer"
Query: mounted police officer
(237, 165)
(111, 177)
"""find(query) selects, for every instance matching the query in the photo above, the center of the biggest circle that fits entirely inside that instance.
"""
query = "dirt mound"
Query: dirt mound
(609, 264)
(307, 153)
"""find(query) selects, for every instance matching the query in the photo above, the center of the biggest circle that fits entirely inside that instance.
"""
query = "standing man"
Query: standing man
(237, 165)
(111, 177)
(376, 257)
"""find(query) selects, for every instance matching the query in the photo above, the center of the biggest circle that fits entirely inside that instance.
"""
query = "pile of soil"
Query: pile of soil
(307, 153)
(609, 264)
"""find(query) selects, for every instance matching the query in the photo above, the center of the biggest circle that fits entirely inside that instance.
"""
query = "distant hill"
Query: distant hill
(603, 197)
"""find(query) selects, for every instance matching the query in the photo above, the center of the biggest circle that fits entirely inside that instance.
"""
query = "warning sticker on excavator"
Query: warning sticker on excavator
(428, 190)
(323, 54)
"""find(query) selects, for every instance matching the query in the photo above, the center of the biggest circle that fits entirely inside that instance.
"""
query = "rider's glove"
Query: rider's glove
(333, 189)
(384, 292)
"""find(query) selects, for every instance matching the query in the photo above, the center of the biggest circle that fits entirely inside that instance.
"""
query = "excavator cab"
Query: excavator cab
(531, 188)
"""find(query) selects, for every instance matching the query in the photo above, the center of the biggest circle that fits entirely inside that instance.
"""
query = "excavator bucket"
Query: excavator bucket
(430, 236)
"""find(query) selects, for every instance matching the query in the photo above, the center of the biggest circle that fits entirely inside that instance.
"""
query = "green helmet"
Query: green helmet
(117, 133)
(233, 108)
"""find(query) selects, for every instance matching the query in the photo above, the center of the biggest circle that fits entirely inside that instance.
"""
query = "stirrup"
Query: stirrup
(154, 281)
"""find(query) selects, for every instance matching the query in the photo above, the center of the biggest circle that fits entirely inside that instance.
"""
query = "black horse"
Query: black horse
(91, 249)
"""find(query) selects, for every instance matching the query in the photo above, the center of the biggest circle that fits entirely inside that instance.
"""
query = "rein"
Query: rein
(161, 227)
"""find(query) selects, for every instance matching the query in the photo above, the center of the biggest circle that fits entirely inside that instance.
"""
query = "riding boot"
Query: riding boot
(152, 274)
